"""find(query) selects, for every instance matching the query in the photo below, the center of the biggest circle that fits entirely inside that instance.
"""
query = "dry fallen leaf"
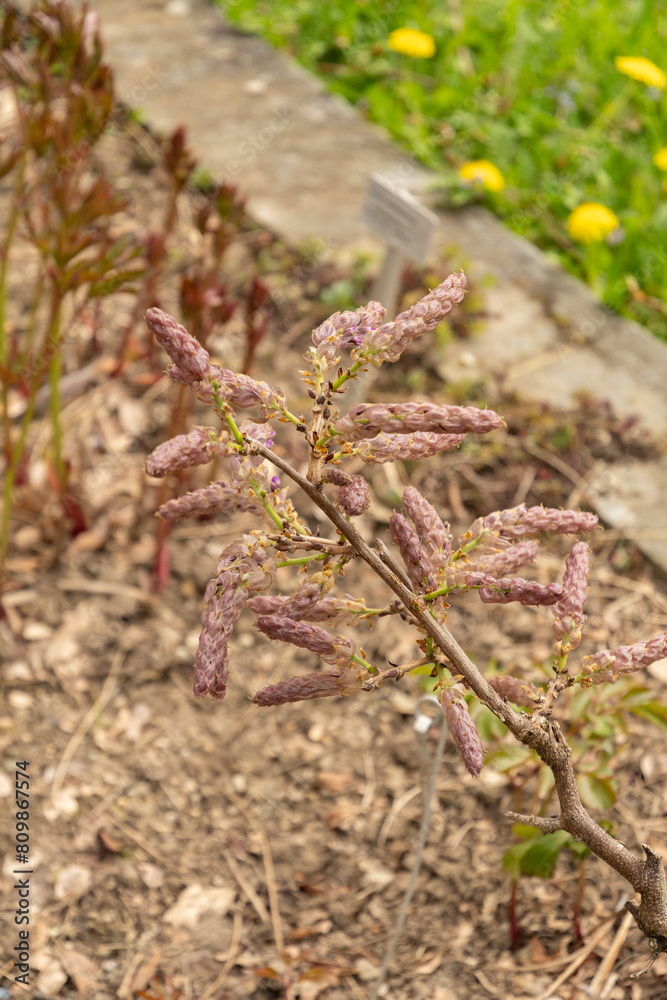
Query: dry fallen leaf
(428, 964)
(342, 816)
(65, 802)
(106, 845)
(139, 973)
(52, 976)
(333, 782)
(80, 968)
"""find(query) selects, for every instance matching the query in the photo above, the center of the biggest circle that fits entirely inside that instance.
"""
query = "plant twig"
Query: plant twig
(540, 734)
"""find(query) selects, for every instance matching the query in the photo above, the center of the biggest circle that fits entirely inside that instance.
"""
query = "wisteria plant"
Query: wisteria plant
(430, 568)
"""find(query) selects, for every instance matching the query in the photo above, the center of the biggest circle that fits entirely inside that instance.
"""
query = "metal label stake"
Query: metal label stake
(405, 226)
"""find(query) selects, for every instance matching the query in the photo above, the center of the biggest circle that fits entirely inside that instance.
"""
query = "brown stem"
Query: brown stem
(414, 603)
(543, 735)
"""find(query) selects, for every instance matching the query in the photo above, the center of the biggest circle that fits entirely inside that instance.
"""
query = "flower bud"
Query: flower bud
(368, 419)
(508, 589)
(569, 610)
(519, 692)
(212, 499)
(345, 330)
(328, 684)
(507, 560)
(241, 390)
(405, 447)
(516, 522)
(298, 604)
(243, 567)
(432, 530)
(390, 340)
(192, 361)
(413, 553)
(332, 648)
(199, 446)
(462, 728)
(354, 496)
(332, 610)
(624, 659)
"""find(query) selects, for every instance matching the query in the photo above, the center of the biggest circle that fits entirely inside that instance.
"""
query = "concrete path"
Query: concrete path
(304, 159)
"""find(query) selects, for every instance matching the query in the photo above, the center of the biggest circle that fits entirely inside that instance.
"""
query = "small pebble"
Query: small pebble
(19, 700)
(27, 536)
(178, 8)
(316, 733)
(239, 783)
(34, 631)
(255, 88)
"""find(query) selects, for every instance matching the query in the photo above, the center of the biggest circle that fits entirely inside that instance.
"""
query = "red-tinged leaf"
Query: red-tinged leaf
(106, 845)
(266, 972)
(74, 511)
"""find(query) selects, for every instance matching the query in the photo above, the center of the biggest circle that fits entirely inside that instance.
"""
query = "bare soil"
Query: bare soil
(183, 849)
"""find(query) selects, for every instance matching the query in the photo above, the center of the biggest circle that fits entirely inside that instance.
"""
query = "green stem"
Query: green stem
(275, 517)
(291, 418)
(4, 263)
(362, 663)
(10, 475)
(5, 247)
(609, 111)
(54, 378)
(348, 375)
(303, 560)
(231, 423)
(51, 345)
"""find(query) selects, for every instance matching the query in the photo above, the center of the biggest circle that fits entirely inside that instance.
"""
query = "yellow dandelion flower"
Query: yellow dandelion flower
(482, 172)
(591, 222)
(410, 42)
(660, 158)
(641, 69)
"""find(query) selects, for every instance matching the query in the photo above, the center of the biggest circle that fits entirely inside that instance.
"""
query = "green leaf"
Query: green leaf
(596, 793)
(489, 727)
(508, 758)
(653, 712)
(578, 850)
(536, 856)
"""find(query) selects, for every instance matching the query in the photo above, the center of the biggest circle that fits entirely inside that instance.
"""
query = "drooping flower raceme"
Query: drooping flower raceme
(366, 420)
(184, 451)
(405, 447)
(606, 666)
(244, 568)
(569, 610)
(387, 342)
(192, 366)
(462, 728)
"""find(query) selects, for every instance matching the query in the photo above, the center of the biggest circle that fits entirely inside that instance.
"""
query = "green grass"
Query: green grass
(530, 86)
